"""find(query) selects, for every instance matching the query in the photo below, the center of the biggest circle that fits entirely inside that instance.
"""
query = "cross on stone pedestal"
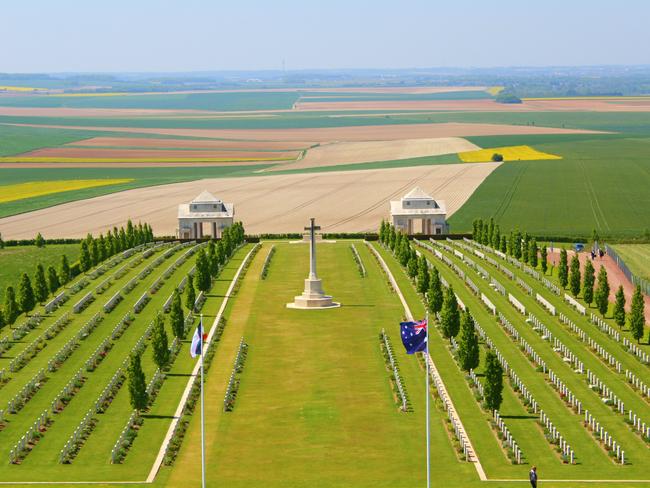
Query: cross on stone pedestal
(313, 296)
(312, 248)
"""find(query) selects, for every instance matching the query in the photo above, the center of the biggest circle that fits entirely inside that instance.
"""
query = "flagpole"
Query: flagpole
(426, 361)
(202, 416)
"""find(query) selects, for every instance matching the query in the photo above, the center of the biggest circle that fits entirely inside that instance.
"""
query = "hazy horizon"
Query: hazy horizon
(71, 36)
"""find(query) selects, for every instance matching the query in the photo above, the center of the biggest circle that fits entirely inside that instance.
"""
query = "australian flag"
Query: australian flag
(414, 336)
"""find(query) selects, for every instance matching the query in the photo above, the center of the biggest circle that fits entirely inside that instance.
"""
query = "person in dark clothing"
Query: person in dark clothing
(532, 476)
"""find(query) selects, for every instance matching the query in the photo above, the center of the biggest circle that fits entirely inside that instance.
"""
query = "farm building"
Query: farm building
(418, 213)
(205, 208)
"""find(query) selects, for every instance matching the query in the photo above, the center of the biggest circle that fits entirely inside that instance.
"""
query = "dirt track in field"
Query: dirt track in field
(344, 201)
(118, 142)
(615, 277)
(356, 133)
(363, 152)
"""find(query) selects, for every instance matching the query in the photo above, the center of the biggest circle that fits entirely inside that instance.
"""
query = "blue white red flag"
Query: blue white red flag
(414, 336)
(197, 341)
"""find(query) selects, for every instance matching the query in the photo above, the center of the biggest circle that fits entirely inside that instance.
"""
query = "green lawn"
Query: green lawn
(19, 259)
(636, 257)
(315, 407)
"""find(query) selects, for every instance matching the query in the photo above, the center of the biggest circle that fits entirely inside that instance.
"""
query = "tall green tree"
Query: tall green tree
(532, 253)
(213, 264)
(412, 266)
(563, 269)
(602, 293)
(221, 253)
(39, 241)
(137, 384)
(619, 307)
(544, 259)
(202, 278)
(517, 241)
(176, 318)
(468, 352)
(11, 309)
(53, 282)
(574, 276)
(450, 315)
(525, 245)
(85, 259)
(637, 314)
(504, 244)
(434, 294)
(40, 284)
(190, 294)
(64, 270)
(423, 275)
(2, 243)
(26, 297)
(588, 281)
(160, 343)
(493, 387)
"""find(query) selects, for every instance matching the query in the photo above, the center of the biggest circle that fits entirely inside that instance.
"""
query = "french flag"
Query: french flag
(197, 341)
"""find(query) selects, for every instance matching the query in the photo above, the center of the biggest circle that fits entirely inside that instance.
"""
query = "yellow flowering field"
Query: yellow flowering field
(509, 153)
(19, 191)
(495, 90)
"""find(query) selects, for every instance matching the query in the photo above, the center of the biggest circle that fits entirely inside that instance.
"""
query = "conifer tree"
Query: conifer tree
(619, 307)
(504, 244)
(137, 384)
(202, 278)
(190, 294)
(64, 270)
(11, 309)
(516, 251)
(221, 253)
(160, 342)
(2, 243)
(493, 387)
(532, 253)
(468, 351)
(435, 295)
(212, 259)
(412, 266)
(525, 245)
(176, 319)
(544, 259)
(563, 269)
(26, 297)
(637, 314)
(450, 315)
(40, 284)
(588, 280)
(94, 252)
(423, 275)
(130, 234)
(496, 239)
(574, 276)
(39, 241)
(602, 293)
(53, 282)
(85, 259)
(2, 319)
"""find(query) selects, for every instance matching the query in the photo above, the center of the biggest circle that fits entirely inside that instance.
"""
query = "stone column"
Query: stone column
(312, 251)
(214, 230)
(195, 231)
(409, 226)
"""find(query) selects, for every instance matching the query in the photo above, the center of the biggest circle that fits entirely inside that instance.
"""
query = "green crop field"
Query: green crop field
(16, 260)
(599, 184)
(636, 257)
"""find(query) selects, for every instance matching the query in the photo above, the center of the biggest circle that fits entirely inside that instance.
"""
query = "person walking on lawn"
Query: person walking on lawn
(532, 476)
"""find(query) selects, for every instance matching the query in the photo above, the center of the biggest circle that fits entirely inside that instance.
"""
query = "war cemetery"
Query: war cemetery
(235, 254)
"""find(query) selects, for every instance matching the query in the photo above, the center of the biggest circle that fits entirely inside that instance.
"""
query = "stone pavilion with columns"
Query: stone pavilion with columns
(418, 213)
(204, 209)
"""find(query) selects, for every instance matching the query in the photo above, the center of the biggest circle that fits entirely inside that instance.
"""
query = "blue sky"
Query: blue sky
(194, 35)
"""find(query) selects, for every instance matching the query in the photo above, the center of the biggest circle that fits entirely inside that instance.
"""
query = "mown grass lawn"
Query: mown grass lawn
(14, 261)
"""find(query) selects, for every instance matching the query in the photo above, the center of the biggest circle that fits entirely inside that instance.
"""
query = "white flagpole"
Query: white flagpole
(426, 360)
(202, 416)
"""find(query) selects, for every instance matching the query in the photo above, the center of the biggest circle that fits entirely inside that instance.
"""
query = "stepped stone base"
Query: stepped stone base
(313, 298)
